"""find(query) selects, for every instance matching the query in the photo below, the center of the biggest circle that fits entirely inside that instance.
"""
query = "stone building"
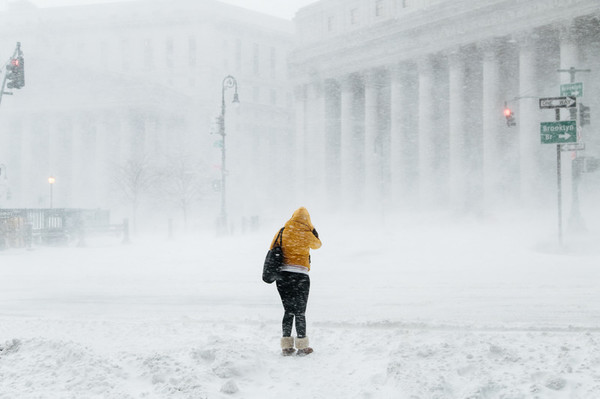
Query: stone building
(401, 101)
(140, 82)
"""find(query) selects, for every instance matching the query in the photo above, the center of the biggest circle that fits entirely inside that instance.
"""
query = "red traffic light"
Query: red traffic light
(510, 117)
(15, 62)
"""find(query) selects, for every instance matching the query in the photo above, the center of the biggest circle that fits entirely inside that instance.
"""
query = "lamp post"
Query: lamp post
(51, 180)
(228, 83)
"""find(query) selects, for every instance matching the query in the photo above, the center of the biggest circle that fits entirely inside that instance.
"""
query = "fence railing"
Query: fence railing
(26, 227)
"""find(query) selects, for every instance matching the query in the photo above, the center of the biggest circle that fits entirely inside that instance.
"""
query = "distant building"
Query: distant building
(141, 81)
(401, 101)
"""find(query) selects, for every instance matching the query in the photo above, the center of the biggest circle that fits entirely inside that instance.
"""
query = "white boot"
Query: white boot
(287, 346)
(302, 345)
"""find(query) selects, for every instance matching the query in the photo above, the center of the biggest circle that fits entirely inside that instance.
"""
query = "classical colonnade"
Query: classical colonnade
(430, 129)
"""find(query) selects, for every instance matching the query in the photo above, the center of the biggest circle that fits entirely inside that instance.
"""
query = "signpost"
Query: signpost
(572, 89)
(559, 133)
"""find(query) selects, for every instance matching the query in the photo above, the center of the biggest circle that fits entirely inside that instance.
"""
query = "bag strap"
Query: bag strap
(280, 237)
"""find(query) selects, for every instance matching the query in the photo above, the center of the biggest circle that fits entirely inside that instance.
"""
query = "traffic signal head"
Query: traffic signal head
(21, 71)
(510, 117)
(11, 73)
(584, 115)
(15, 73)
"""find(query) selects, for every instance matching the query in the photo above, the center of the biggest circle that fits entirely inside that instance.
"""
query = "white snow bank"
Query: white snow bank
(409, 309)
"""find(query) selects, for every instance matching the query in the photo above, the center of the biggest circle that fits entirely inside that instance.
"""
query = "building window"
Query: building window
(125, 54)
(330, 24)
(256, 59)
(273, 97)
(104, 54)
(80, 51)
(238, 55)
(148, 54)
(379, 8)
(273, 62)
(354, 16)
(255, 94)
(169, 52)
(192, 51)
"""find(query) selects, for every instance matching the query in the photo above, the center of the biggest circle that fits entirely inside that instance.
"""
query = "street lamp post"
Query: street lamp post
(51, 180)
(228, 83)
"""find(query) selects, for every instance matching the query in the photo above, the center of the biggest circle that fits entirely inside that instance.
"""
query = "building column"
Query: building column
(399, 134)
(39, 151)
(347, 159)
(529, 138)
(316, 142)
(371, 132)
(426, 172)
(458, 131)
(54, 146)
(27, 197)
(300, 160)
(77, 158)
(332, 142)
(104, 143)
(492, 123)
(63, 169)
(569, 57)
(84, 159)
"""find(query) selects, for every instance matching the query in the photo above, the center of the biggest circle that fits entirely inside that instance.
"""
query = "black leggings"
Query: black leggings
(293, 289)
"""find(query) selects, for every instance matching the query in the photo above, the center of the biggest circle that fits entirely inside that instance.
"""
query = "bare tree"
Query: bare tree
(133, 180)
(181, 182)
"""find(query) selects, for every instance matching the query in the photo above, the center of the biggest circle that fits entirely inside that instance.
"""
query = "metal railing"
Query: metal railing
(25, 227)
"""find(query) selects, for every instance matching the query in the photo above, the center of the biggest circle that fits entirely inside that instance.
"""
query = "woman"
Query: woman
(299, 236)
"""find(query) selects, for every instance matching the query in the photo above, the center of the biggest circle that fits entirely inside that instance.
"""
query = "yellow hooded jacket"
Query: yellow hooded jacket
(298, 239)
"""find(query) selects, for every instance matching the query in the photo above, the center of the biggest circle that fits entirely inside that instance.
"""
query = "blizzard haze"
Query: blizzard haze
(426, 286)
(412, 308)
(278, 8)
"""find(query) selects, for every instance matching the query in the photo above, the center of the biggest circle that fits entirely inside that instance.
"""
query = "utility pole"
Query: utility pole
(575, 220)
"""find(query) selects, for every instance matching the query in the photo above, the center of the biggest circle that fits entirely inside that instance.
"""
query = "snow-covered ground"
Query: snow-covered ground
(411, 307)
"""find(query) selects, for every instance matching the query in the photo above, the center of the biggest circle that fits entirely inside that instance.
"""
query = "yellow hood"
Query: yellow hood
(302, 216)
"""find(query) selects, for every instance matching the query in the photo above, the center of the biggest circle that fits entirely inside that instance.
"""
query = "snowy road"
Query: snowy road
(419, 310)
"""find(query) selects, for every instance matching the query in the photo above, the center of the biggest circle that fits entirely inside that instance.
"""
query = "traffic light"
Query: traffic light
(20, 72)
(15, 73)
(11, 73)
(510, 117)
(584, 115)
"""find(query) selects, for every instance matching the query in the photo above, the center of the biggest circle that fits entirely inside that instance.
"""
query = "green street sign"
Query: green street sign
(559, 132)
(572, 89)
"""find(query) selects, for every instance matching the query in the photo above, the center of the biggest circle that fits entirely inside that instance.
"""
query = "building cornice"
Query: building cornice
(431, 30)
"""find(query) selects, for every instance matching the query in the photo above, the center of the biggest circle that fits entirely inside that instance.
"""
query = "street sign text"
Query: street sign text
(558, 102)
(559, 132)
(572, 89)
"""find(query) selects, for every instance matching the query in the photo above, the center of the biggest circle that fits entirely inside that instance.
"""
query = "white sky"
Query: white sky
(278, 8)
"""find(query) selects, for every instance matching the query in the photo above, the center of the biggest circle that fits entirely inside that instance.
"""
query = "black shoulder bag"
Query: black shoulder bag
(273, 261)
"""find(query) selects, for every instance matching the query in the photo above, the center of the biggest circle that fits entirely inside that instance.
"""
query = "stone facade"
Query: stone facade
(111, 83)
(410, 106)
